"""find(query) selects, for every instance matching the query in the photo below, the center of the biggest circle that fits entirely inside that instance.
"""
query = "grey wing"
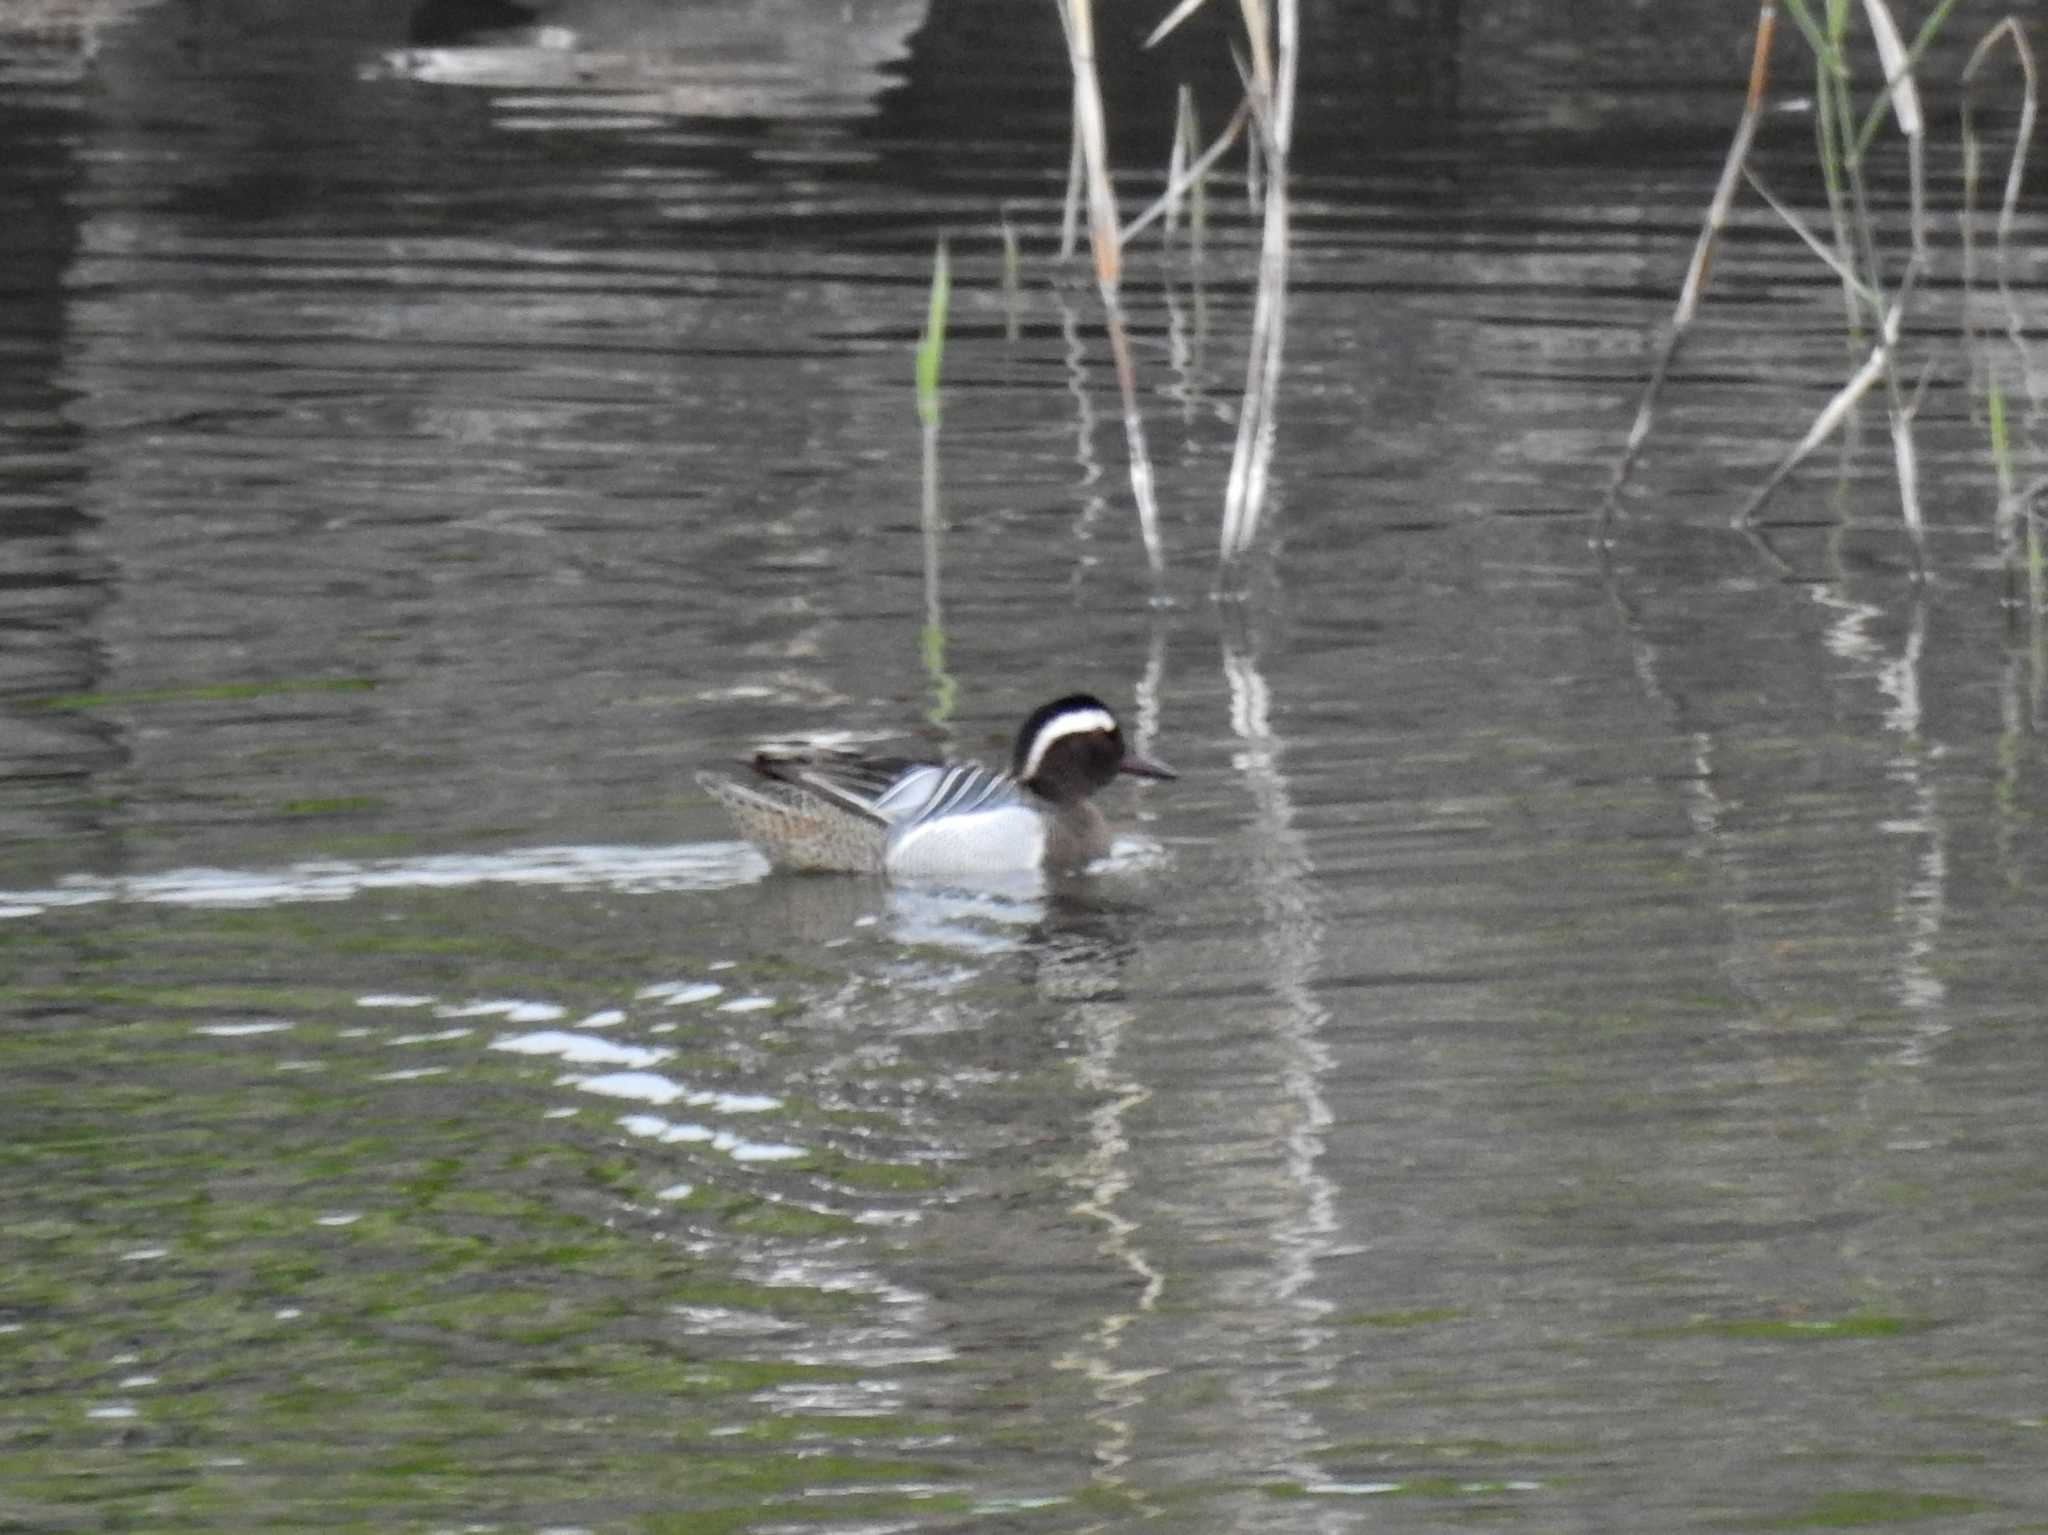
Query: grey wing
(894, 791)
(931, 791)
(855, 783)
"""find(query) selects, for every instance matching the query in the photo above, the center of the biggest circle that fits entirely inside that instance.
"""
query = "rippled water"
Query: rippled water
(1567, 1053)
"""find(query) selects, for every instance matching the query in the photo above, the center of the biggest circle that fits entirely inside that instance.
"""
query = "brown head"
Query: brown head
(1073, 746)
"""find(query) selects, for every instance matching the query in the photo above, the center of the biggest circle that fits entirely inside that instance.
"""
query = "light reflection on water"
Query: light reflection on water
(696, 866)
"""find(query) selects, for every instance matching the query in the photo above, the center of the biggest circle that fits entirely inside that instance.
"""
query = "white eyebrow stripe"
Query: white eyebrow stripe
(1079, 722)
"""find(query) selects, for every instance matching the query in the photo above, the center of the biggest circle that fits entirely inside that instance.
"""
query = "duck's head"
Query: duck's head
(1073, 746)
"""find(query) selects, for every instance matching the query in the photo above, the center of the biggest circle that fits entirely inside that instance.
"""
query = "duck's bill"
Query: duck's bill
(1146, 767)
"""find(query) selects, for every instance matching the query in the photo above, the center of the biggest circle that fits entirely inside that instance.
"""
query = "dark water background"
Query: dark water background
(1569, 1054)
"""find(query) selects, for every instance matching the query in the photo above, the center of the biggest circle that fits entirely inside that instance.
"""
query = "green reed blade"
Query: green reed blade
(931, 346)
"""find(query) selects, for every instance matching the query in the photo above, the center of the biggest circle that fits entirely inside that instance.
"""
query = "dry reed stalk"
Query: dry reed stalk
(1831, 416)
(1863, 289)
(1257, 30)
(1174, 18)
(1880, 365)
(2013, 506)
(1142, 489)
(2007, 30)
(1270, 98)
(1177, 161)
(1273, 76)
(1091, 132)
(930, 354)
(1855, 258)
(1698, 269)
(1077, 17)
(1070, 209)
(1836, 260)
(1188, 181)
(1251, 462)
(1904, 97)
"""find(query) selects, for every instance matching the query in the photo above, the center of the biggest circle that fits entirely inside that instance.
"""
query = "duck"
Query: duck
(826, 810)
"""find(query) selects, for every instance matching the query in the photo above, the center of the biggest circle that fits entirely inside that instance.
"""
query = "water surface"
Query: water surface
(1567, 1053)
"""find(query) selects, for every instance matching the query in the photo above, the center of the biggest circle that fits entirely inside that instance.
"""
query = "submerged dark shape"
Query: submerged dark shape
(846, 812)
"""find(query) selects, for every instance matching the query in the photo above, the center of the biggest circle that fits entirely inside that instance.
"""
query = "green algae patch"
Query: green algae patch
(775, 1218)
(1778, 1329)
(878, 1177)
(210, 692)
(1853, 1510)
(179, 998)
(1428, 1316)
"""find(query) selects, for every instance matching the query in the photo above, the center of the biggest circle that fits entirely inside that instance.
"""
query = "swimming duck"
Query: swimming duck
(845, 812)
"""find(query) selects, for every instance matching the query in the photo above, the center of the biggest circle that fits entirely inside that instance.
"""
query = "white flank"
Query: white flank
(1004, 839)
(1074, 723)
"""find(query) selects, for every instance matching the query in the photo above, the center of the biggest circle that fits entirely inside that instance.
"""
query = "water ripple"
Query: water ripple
(630, 870)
